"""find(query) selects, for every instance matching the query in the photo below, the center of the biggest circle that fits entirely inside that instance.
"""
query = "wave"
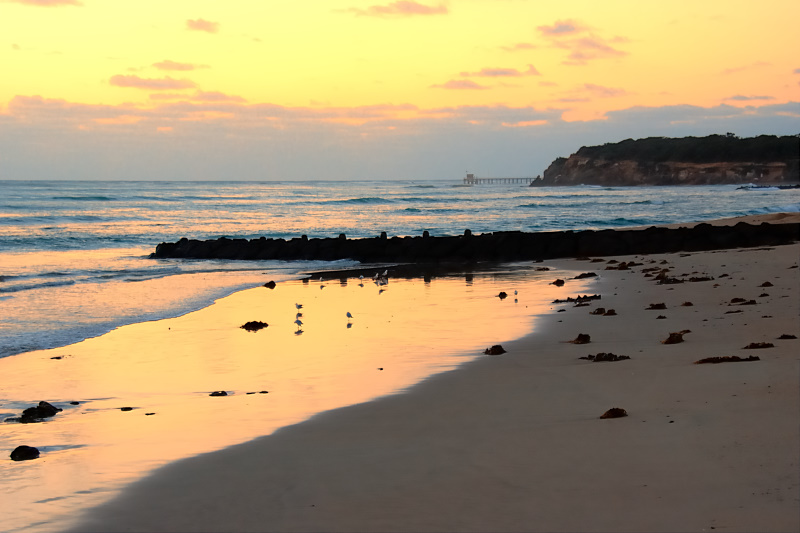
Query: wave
(31, 286)
(791, 208)
(367, 200)
(86, 198)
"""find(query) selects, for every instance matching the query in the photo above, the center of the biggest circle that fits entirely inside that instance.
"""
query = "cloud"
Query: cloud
(174, 65)
(459, 85)
(502, 72)
(47, 3)
(742, 98)
(198, 96)
(519, 46)
(401, 8)
(151, 84)
(580, 42)
(202, 25)
(745, 68)
(560, 27)
(796, 71)
(604, 92)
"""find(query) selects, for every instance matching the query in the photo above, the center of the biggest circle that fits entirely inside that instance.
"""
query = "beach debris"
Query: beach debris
(758, 345)
(787, 336)
(605, 356)
(270, 284)
(610, 312)
(656, 306)
(615, 412)
(585, 275)
(726, 359)
(24, 453)
(253, 325)
(687, 304)
(494, 350)
(502, 295)
(598, 311)
(766, 284)
(558, 283)
(582, 338)
(675, 338)
(126, 408)
(577, 299)
(219, 393)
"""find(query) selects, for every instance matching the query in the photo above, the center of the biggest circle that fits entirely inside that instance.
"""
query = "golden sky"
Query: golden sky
(376, 65)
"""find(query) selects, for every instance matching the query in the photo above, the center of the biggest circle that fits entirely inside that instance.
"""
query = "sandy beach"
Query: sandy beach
(515, 442)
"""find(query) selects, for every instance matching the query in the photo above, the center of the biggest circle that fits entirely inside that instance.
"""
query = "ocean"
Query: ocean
(74, 254)
(90, 323)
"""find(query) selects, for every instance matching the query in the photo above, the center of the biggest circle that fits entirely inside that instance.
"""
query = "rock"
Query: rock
(687, 304)
(674, 338)
(254, 325)
(605, 357)
(737, 300)
(695, 279)
(656, 306)
(614, 412)
(24, 453)
(494, 350)
(219, 393)
(786, 336)
(270, 284)
(726, 359)
(126, 409)
(558, 283)
(758, 345)
(582, 338)
(766, 284)
(502, 295)
(610, 312)
(585, 275)
(38, 413)
(598, 311)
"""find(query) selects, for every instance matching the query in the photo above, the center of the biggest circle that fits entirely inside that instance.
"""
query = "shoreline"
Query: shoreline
(514, 442)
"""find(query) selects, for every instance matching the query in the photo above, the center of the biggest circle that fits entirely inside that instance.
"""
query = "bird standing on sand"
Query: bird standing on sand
(299, 306)
(349, 316)
(298, 322)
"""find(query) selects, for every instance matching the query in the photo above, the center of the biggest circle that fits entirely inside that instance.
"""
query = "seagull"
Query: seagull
(515, 292)
(385, 273)
(299, 315)
(349, 315)
(299, 306)
(298, 322)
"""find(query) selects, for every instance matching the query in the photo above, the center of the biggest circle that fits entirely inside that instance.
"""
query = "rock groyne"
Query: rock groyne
(499, 246)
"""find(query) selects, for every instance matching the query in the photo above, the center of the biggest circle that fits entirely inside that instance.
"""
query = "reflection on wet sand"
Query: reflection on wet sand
(397, 334)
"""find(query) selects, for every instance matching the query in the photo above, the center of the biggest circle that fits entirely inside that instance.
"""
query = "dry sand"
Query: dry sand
(515, 443)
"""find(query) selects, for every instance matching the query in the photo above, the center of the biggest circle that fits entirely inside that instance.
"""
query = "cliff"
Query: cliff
(711, 160)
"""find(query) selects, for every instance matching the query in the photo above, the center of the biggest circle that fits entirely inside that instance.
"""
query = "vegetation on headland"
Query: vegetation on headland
(680, 161)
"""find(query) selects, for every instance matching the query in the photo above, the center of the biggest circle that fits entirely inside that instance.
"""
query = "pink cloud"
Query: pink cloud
(48, 3)
(174, 65)
(202, 25)
(216, 96)
(151, 84)
(604, 92)
(401, 8)
(459, 85)
(502, 72)
(561, 27)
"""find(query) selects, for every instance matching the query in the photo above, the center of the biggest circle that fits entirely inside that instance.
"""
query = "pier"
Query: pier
(472, 179)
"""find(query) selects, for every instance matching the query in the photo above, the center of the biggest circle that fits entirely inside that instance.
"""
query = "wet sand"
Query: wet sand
(515, 442)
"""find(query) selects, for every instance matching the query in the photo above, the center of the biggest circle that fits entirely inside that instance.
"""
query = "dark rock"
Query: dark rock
(578, 299)
(614, 412)
(558, 283)
(38, 413)
(660, 317)
(219, 393)
(786, 336)
(695, 279)
(502, 295)
(585, 275)
(726, 359)
(605, 357)
(24, 453)
(74, 403)
(737, 300)
(657, 306)
(494, 350)
(126, 408)
(270, 284)
(610, 312)
(763, 295)
(582, 338)
(675, 338)
(766, 284)
(687, 304)
(758, 345)
(598, 311)
(254, 325)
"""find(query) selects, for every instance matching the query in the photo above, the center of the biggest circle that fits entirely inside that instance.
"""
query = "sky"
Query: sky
(378, 89)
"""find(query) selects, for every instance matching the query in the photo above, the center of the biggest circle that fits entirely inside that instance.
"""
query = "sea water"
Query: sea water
(74, 265)
(74, 254)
